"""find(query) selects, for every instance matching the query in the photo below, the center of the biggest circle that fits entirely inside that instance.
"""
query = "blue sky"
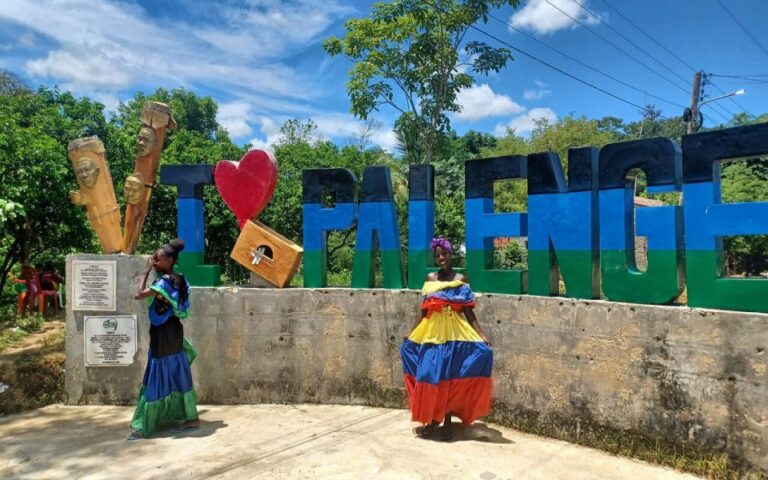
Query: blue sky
(262, 60)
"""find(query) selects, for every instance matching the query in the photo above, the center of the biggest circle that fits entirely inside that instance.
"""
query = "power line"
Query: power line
(754, 39)
(628, 40)
(752, 78)
(616, 46)
(738, 76)
(585, 65)
(649, 36)
(557, 69)
(646, 34)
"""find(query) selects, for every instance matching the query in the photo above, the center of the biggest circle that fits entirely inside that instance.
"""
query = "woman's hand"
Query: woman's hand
(487, 342)
(150, 263)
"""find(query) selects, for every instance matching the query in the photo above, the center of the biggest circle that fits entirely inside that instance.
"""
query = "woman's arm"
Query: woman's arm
(469, 312)
(145, 292)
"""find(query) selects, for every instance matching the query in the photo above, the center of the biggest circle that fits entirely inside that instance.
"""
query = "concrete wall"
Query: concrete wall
(688, 376)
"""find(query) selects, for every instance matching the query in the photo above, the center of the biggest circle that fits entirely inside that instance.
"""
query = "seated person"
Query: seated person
(50, 279)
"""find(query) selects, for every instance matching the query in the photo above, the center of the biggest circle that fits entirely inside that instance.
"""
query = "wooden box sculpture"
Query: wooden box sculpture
(267, 253)
(97, 193)
(156, 118)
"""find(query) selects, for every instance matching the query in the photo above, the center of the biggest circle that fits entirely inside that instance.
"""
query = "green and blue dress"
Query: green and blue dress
(167, 393)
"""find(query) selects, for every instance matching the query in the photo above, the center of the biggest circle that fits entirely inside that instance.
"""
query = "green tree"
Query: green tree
(567, 132)
(652, 124)
(36, 127)
(407, 56)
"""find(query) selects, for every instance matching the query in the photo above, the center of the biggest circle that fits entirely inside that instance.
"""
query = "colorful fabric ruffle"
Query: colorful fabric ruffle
(165, 304)
(446, 364)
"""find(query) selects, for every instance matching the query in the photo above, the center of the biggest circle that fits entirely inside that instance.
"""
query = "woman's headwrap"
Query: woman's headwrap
(443, 243)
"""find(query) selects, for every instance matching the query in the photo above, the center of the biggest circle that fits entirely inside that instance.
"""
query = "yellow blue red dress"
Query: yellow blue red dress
(446, 363)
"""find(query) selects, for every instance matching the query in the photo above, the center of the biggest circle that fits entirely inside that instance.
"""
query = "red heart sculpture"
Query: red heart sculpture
(246, 186)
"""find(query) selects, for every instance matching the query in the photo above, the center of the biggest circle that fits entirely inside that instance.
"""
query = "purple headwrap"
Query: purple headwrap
(441, 242)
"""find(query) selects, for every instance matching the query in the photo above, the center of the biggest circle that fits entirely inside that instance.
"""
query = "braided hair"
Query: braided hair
(171, 250)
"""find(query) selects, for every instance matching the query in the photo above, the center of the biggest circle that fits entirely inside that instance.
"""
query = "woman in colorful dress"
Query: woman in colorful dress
(166, 393)
(447, 358)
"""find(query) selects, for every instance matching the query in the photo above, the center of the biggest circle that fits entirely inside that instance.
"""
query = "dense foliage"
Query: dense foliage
(38, 223)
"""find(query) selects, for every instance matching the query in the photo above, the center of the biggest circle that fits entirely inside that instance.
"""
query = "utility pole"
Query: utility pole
(694, 123)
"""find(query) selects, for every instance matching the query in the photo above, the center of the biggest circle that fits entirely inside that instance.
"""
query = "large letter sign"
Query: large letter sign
(190, 180)
(421, 223)
(320, 218)
(563, 224)
(707, 220)
(377, 230)
(583, 230)
(660, 159)
(483, 225)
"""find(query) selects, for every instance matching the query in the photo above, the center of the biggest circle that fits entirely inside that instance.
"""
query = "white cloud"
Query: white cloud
(480, 101)
(268, 28)
(234, 116)
(537, 93)
(271, 132)
(82, 71)
(109, 100)
(386, 139)
(542, 17)
(109, 46)
(525, 123)
(346, 126)
(339, 126)
(28, 40)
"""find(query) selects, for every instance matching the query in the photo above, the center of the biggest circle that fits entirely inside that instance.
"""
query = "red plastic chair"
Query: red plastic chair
(36, 292)
(20, 286)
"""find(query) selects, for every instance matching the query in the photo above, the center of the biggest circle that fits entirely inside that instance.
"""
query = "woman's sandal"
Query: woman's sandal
(426, 430)
(135, 436)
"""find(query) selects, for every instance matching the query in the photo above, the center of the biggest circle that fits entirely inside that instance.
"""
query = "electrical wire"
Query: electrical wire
(585, 65)
(647, 67)
(743, 28)
(637, 27)
(553, 67)
(630, 41)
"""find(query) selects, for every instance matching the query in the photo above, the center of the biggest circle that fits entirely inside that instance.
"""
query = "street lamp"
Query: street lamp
(695, 123)
(732, 94)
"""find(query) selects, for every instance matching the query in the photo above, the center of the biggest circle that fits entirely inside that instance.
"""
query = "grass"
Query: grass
(14, 327)
(33, 378)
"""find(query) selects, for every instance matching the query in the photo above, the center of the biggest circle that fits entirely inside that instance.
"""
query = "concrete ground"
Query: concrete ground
(290, 442)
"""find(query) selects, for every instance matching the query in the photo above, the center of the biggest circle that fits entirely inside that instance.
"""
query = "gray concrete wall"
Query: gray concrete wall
(688, 376)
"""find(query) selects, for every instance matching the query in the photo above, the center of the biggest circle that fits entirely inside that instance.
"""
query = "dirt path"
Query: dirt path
(32, 369)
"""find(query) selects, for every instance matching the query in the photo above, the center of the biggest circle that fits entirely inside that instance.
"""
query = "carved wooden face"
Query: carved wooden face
(134, 189)
(87, 172)
(146, 142)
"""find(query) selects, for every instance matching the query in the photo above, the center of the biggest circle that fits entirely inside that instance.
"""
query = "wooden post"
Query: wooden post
(97, 193)
(156, 118)
(695, 124)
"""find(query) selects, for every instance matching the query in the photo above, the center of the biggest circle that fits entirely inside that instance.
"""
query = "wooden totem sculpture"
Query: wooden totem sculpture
(156, 118)
(97, 193)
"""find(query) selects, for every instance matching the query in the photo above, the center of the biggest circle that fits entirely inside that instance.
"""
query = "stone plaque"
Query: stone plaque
(110, 341)
(95, 285)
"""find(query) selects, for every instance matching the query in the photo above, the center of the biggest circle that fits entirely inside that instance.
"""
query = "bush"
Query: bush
(512, 255)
